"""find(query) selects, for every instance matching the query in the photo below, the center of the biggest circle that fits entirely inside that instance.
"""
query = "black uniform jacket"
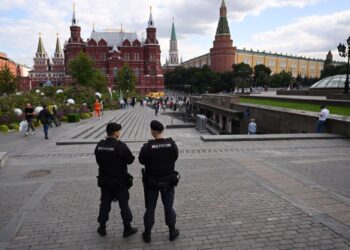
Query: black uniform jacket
(159, 157)
(112, 157)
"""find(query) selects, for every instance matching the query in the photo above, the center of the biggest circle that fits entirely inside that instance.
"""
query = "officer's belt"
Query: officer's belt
(161, 182)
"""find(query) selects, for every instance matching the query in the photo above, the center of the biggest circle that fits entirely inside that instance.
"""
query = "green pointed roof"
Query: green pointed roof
(173, 33)
(41, 48)
(223, 3)
(58, 47)
(223, 28)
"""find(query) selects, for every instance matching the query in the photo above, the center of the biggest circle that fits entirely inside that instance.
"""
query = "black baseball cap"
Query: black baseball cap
(157, 126)
(112, 127)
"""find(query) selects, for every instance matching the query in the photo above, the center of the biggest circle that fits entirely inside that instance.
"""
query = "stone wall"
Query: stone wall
(224, 101)
(271, 120)
(335, 102)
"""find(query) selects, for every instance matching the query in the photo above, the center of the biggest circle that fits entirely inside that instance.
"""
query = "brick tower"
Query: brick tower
(58, 71)
(41, 69)
(75, 43)
(152, 67)
(222, 55)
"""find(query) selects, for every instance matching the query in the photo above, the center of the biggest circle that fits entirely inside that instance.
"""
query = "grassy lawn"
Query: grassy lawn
(335, 110)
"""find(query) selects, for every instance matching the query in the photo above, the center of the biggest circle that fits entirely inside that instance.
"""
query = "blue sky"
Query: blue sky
(299, 27)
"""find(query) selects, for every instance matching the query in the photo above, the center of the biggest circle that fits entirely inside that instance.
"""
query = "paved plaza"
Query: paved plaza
(284, 194)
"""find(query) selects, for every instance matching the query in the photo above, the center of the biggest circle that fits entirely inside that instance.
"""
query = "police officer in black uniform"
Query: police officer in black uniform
(159, 176)
(112, 157)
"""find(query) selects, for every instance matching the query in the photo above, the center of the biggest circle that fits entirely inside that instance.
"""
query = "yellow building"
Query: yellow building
(305, 67)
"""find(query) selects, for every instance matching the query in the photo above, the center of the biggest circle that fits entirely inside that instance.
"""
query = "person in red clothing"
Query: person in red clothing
(97, 108)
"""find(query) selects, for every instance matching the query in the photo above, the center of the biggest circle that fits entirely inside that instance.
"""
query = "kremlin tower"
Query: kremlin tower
(222, 55)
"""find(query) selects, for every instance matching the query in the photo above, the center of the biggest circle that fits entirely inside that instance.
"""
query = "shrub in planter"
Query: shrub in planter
(14, 126)
(73, 118)
(85, 116)
(64, 118)
(4, 128)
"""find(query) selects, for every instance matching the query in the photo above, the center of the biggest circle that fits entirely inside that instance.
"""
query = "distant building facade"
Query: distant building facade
(46, 70)
(111, 49)
(20, 71)
(4, 60)
(223, 55)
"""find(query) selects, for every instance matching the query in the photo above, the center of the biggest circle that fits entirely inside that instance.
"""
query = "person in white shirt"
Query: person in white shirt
(252, 127)
(323, 116)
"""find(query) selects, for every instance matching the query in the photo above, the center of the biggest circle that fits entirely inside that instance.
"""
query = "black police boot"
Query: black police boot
(128, 230)
(173, 232)
(146, 236)
(102, 230)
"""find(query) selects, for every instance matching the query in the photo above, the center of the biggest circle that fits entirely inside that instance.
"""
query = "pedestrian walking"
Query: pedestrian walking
(156, 108)
(97, 109)
(53, 111)
(323, 116)
(45, 117)
(159, 176)
(29, 115)
(112, 157)
(252, 127)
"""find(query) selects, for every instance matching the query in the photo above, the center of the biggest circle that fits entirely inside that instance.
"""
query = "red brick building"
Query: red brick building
(4, 60)
(111, 49)
(45, 70)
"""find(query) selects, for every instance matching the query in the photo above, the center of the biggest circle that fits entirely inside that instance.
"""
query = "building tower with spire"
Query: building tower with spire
(173, 52)
(154, 80)
(58, 71)
(42, 67)
(222, 55)
(75, 43)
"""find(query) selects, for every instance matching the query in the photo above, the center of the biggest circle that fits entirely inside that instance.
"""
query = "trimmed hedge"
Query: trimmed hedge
(14, 126)
(73, 118)
(85, 116)
(4, 128)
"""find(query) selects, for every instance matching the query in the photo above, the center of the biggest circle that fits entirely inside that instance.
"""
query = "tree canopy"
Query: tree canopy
(7, 80)
(332, 70)
(261, 75)
(82, 69)
(198, 80)
(126, 79)
(282, 79)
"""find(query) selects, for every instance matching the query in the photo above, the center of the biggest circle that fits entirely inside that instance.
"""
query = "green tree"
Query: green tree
(282, 79)
(242, 73)
(262, 75)
(99, 80)
(81, 68)
(7, 80)
(332, 70)
(126, 79)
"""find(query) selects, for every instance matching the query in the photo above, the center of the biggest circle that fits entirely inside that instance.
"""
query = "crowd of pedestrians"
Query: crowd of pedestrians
(47, 115)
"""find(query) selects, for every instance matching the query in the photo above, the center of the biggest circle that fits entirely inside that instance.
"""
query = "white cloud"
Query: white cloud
(196, 21)
(242, 9)
(311, 35)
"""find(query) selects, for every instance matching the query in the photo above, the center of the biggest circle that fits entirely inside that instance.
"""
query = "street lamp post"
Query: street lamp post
(345, 53)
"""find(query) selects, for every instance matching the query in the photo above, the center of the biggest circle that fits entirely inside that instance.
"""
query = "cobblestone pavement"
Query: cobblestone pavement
(232, 195)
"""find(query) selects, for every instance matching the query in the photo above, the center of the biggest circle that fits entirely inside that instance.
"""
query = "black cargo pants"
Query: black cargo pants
(107, 197)
(151, 197)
